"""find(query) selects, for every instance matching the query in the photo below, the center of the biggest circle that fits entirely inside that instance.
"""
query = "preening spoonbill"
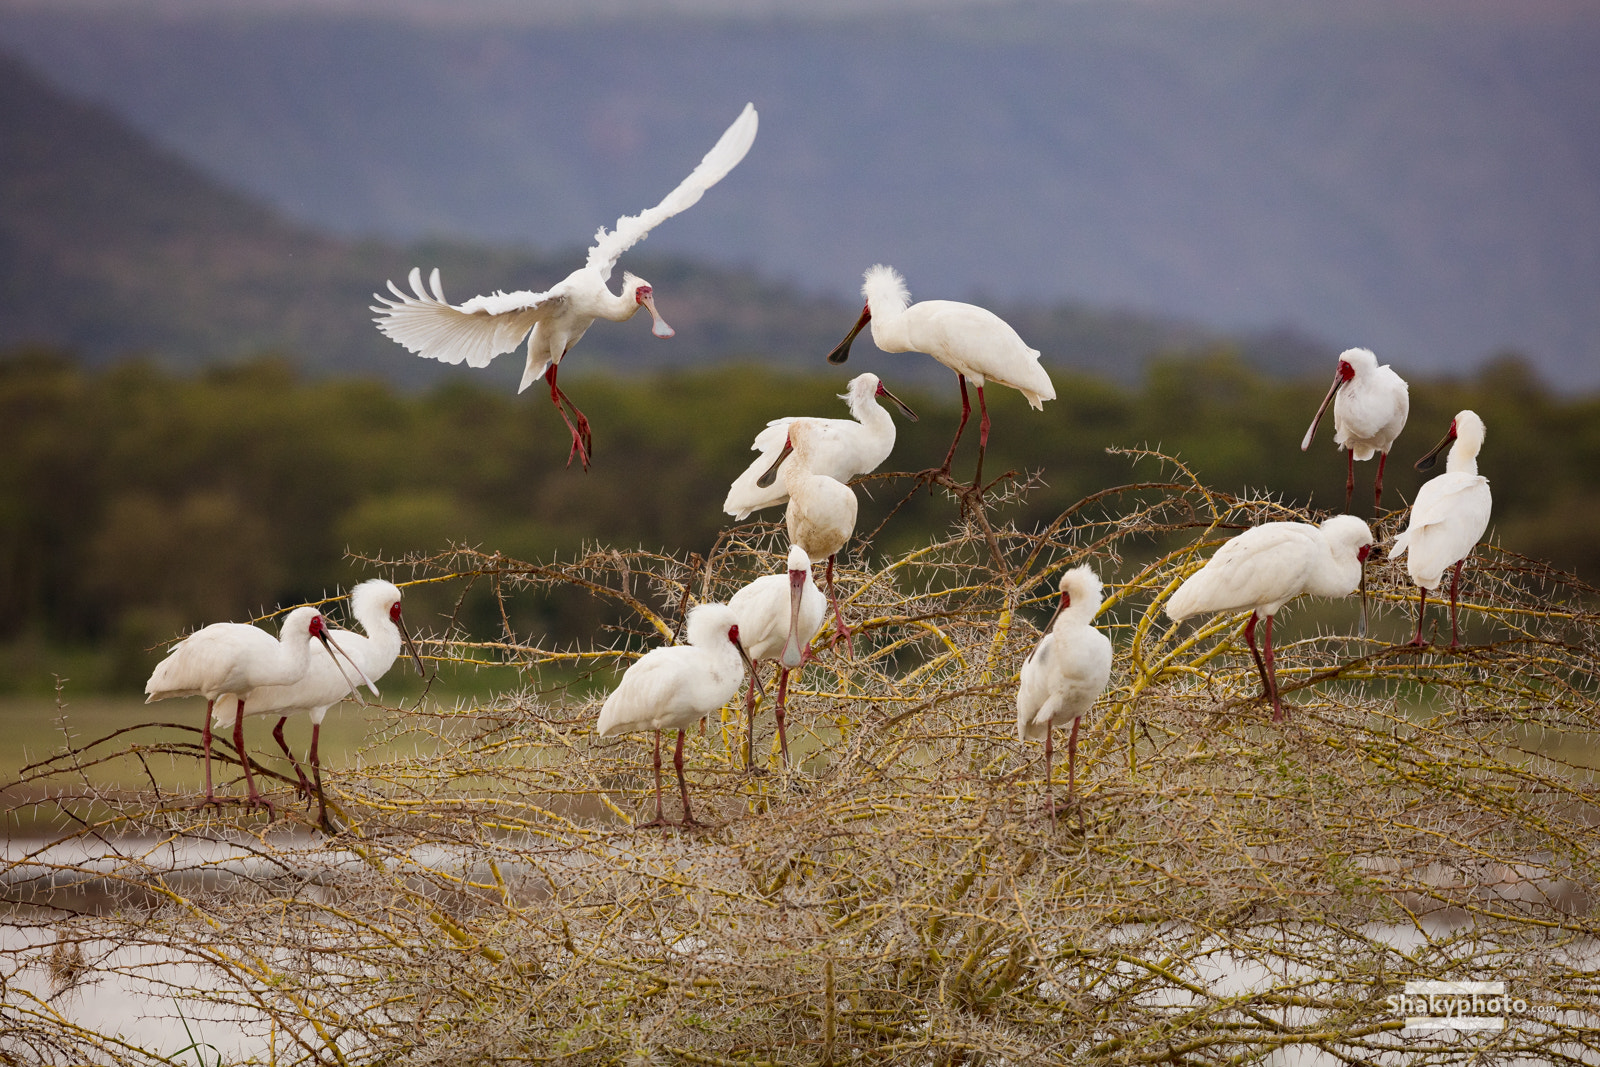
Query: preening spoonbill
(376, 606)
(972, 341)
(1266, 567)
(233, 658)
(778, 615)
(673, 687)
(821, 514)
(841, 449)
(553, 321)
(1370, 404)
(1449, 516)
(1065, 674)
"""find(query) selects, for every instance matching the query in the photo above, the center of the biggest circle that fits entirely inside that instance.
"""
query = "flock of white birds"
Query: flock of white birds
(806, 464)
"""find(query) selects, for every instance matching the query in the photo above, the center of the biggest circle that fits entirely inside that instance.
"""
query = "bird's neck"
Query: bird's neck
(1463, 458)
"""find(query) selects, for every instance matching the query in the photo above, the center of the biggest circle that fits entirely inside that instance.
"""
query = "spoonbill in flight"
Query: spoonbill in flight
(376, 606)
(778, 615)
(842, 448)
(236, 659)
(1449, 516)
(1065, 674)
(553, 321)
(821, 514)
(673, 687)
(972, 341)
(1266, 567)
(1370, 404)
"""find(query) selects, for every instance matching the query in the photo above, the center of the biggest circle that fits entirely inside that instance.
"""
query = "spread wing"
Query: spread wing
(475, 332)
(631, 229)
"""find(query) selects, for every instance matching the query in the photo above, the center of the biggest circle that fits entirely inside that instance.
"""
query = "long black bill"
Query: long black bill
(1305, 442)
(841, 352)
(904, 408)
(772, 472)
(1426, 462)
(411, 647)
(334, 652)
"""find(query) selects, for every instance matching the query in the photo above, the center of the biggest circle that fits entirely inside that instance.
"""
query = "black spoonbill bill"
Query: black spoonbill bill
(237, 659)
(376, 606)
(1065, 674)
(842, 448)
(1264, 568)
(821, 514)
(673, 687)
(553, 321)
(972, 341)
(1370, 404)
(778, 614)
(1449, 516)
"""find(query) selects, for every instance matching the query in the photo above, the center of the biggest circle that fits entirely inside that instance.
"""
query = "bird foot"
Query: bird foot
(691, 823)
(658, 821)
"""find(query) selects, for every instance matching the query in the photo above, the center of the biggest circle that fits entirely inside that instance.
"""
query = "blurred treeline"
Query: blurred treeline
(136, 504)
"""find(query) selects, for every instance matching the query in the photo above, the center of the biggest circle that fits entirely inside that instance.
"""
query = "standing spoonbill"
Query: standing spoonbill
(1266, 567)
(1370, 404)
(779, 614)
(821, 514)
(376, 606)
(553, 321)
(842, 448)
(972, 341)
(673, 687)
(1065, 674)
(1449, 516)
(237, 659)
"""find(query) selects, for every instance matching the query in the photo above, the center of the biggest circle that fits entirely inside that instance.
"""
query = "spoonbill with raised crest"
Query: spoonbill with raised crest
(1370, 404)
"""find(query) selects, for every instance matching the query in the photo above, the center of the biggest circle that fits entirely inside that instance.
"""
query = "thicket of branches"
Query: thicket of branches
(1229, 891)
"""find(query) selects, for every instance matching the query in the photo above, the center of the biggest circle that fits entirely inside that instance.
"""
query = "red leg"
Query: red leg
(1349, 477)
(1272, 677)
(1455, 586)
(1072, 760)
(277, 735)
(966, 410)
(244, 761)
(205, 743)
(582, 446)
(1377, 486)
(1261, 668)
(1049, 772)
(783, 692)
(660, 819)
(683, 786)
(840, 629)
(1422, 604)
(316, 773)
(983, 437)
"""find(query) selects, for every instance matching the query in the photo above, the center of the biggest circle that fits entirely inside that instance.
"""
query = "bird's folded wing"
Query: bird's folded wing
(477, 331)
(631, 229)
(1441, 498)
(1250, 569)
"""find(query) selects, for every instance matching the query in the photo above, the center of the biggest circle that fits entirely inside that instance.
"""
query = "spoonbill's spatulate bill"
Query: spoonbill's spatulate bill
(972, 341)
(1266, 567)
(779, 614)
(1370, 405)
(1065, 674)
(674, 687)
(821, 514)
(1448, 517)
(553, 321)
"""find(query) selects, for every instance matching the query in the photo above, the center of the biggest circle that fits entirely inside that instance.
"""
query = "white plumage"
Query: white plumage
(821, 514)
(487, 326)
(1370, 405)
(779, 615)
(841, 448)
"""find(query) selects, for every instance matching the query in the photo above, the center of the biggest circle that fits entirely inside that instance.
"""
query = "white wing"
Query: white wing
(477, 331)
(1261, 567)
(631, 229)
(745, 496)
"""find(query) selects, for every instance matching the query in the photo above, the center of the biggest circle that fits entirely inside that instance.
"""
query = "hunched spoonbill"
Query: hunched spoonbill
(1448, 517)
(671, 688)
(1370, 405)
(235, 658)
(779, 614)
(553, 321)
(972, 341)
(1266, 567)
(821, 514)
(375, 604)
(842, 448)
(1065, 674)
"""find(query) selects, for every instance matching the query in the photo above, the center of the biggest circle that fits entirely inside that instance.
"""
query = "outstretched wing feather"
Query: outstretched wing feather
(474, 333)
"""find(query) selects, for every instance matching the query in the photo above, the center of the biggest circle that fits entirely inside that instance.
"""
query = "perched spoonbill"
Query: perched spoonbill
(376, 606)
(972, 341)
(237, 659)
(672, 687)
(1266, 567)
(1064, 675)
(1449, 516)
(1370, 404)
(842, 448)
(553, 321)
(821, 514)
(779, 614)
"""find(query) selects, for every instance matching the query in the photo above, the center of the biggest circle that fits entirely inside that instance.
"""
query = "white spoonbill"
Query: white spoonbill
(842, 448)
(1370, 404)
(779, 614)
(674, 687)
(1449, 516)
(1065, 674)
(821, 514)
(1266, 567)
(234, 658)
(376, 606)
(972, 341)
(553, 321)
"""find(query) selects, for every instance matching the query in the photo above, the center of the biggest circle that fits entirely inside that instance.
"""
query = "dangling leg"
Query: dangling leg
(316, 773)
(966, 410)
(277, 735)
(1422, 603)
(1455, 586)
(983, 437)
(256, 800)
(1272, 677)
(683, 786)
(840, 629)
(1261, 668)
(582, 445)
(205, 743)
(783, 692)
(1377, 486)
(1349, 477)
(750, 734)
(661, 818)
